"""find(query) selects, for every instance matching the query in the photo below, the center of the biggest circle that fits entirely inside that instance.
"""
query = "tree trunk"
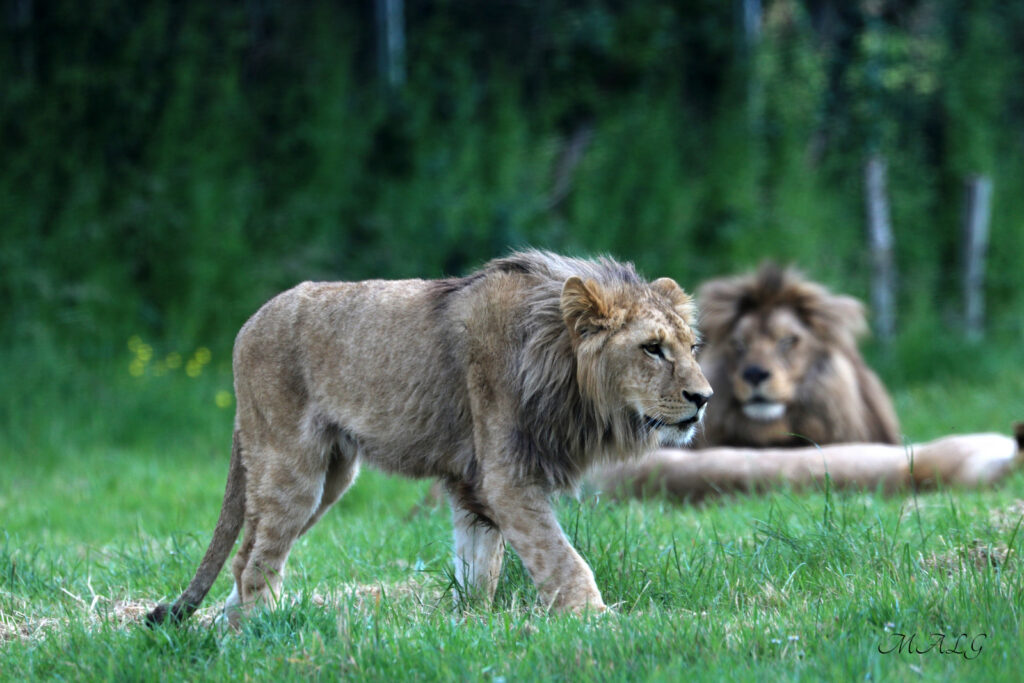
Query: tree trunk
(572, 153)
(751, 15)
(19, 18)
(883, 270)
(390, 17)
(977, 212)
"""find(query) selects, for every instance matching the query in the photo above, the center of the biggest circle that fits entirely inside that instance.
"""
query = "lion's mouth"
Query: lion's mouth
(761, 409)
(658, 423)
(673, 434)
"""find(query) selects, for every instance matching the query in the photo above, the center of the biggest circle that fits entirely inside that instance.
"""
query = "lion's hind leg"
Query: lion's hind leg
(284, 496)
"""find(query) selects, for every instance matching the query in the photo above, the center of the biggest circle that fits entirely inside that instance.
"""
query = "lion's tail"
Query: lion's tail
(229, 524)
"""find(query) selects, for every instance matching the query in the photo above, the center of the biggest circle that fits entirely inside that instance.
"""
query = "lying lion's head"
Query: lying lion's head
(782, 356)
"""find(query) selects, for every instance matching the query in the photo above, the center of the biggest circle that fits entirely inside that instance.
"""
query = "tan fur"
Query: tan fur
(781, 355)
(969, 460)
(505, 384)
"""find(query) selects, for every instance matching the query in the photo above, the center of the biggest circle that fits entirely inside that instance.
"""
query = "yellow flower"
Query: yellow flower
(136, 368)
(173, 360)
(193, 368)
(223, 399)
(202, 355)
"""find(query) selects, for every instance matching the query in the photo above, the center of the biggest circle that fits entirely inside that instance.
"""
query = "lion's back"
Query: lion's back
(376, 359)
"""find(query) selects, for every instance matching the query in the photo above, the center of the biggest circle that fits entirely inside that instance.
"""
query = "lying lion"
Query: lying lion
(795, 401)
(506, 384)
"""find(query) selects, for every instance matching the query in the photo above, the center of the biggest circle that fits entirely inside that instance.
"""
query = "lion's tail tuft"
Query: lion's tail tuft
(158, 615)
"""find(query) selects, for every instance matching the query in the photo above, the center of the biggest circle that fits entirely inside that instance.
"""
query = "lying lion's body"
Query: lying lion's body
(795, 401)
(505, 384)
(970, 460)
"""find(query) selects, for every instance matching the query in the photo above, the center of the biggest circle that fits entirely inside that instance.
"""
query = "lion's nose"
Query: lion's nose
(696, 399)
(755, 374)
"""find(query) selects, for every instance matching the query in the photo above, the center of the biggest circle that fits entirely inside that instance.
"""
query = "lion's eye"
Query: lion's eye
(787, 343)
(738, 347)
(653, 349)
(696, 348)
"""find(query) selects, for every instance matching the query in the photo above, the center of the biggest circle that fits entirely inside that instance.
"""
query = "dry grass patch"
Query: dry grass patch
(414, 595)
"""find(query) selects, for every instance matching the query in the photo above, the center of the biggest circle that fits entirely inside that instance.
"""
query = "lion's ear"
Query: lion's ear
(849, 313)
(681, 302)
(835, 317)
(584, 306)
(851, 310)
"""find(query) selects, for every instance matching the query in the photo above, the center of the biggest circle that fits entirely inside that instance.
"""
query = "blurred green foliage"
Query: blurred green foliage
(167, 166)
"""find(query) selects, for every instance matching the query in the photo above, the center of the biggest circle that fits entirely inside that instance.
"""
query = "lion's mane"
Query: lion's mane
(562, 425)
(837, 398)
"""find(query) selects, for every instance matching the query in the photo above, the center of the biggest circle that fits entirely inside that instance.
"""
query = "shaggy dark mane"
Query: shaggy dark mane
(837, 319)
(829, 406)
(557, 269)
(560, 431)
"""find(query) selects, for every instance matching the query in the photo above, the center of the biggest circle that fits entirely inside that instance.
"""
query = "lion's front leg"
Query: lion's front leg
(521, 508)
(479, 553)
(527, 520)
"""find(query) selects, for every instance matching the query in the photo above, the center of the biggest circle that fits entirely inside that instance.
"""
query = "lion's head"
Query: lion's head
(782, 356)
(635, 345)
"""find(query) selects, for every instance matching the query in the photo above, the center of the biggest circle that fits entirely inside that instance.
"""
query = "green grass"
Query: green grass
(110, 486)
